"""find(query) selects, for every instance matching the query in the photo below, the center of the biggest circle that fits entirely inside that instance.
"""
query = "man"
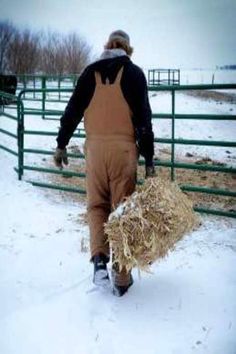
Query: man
(111, 95)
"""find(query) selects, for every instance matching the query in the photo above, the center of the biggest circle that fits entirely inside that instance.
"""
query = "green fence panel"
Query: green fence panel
(15, 103)
(172, 164)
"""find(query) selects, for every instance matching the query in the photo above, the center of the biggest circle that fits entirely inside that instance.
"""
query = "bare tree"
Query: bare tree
(77, 53)
(63, 54)
(7, 31)
(23, 52)
(26, 52)
(52, 53)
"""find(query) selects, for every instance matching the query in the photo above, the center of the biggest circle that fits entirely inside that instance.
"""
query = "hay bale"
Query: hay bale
(149, 223)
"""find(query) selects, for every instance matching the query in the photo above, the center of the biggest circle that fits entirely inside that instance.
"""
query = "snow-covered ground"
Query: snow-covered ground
(48, 303)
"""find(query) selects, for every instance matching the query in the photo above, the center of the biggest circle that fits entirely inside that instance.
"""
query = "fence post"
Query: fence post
(24, 84)
(59, 87)
(172, 134)
(43, 95)
(34, 85)
(20, 134)
(213, 79)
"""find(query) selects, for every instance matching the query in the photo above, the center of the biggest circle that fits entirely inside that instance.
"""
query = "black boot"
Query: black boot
(100, 276)
(120, 290)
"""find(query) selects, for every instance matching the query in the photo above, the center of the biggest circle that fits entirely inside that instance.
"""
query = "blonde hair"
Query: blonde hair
(119, 43)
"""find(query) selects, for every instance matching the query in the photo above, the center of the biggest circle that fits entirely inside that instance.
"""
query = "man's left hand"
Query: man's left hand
(60, 157)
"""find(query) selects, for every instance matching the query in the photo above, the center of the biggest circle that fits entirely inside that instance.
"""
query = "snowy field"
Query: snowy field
(207, 76)
(202, 76)
(48, 303)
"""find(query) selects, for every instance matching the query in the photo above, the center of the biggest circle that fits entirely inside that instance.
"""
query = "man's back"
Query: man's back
(134, 88)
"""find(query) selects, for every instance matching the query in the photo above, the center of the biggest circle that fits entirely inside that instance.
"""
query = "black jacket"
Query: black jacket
(134, 88)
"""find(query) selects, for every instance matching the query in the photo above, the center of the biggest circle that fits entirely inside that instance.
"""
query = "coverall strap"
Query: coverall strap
(119, 76)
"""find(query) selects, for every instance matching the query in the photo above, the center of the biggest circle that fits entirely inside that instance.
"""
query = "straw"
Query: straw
(149, 223)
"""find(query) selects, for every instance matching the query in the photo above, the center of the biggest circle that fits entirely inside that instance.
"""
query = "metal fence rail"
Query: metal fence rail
(8, 98)
(172, 164)
(17, 116)
(43, 112)
(172, 116)
(45, 82)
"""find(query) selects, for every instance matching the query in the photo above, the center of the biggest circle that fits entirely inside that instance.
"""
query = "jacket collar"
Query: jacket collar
(113, 53)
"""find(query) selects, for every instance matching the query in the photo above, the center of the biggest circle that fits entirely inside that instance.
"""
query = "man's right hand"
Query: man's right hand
(150, 172)
(60, 157)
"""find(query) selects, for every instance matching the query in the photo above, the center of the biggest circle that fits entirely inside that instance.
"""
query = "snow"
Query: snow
(48, 303)
(201, 76)
(207, 76)
(117, 212)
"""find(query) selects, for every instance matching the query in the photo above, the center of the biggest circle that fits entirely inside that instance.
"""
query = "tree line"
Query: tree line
(28, 52)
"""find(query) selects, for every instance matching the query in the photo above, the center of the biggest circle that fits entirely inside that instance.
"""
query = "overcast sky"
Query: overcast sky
(164, 33)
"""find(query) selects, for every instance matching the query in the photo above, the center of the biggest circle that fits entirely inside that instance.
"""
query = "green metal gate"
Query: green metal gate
(163, 77)
(15, 115)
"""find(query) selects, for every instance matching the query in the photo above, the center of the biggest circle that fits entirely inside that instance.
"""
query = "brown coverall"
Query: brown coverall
(111, 156)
